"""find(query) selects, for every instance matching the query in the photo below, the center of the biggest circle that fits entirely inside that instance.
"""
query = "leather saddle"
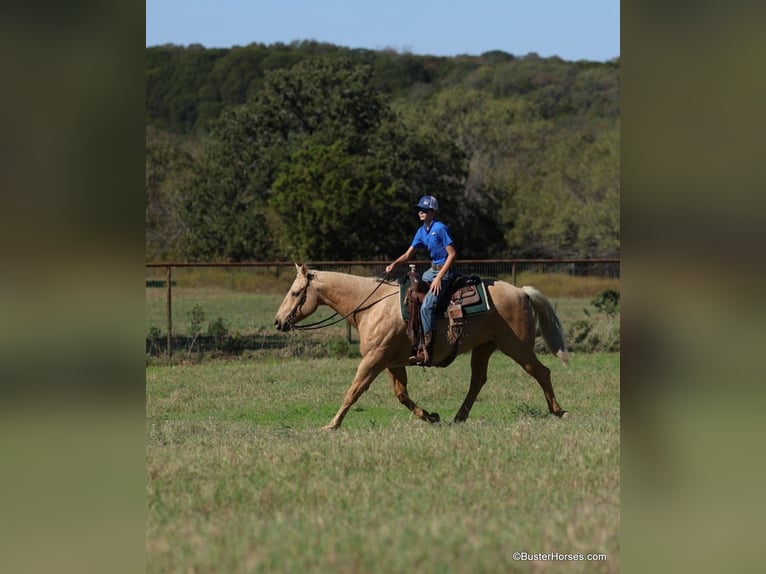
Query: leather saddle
(464, 292)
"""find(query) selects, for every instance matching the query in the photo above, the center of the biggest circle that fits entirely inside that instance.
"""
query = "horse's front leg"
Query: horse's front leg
(399, 379)
(479, 362)
(368, 369)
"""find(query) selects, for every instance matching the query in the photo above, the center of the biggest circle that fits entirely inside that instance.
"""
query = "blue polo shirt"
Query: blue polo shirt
(435, 240)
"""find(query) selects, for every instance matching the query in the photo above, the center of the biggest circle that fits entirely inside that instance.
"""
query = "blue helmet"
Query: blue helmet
(428, 202)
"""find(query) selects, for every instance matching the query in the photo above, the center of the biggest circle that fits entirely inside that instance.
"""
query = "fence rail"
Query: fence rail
(184, 297)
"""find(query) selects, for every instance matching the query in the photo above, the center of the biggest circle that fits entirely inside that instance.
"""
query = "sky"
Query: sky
(569, 29)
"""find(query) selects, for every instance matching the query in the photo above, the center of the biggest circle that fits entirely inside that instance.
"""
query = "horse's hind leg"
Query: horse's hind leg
(542, 375)
(479, 362)
(399, 379)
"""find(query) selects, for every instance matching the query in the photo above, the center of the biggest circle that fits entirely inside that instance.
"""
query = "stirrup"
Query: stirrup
(419, 358)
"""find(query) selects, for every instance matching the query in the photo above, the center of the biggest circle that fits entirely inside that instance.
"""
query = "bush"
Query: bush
(153, 339)
(339, 348)
(219, 331)
(607, 301)
(233, 345)
(600, 331)
(196, 317)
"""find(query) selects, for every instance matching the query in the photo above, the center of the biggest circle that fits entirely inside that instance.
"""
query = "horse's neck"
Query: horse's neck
(342, 292)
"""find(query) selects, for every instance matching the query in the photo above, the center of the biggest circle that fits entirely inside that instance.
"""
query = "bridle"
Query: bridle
(304, 295)
(324, 322)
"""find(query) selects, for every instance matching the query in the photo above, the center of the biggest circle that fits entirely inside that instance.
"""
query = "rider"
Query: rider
(434, 236)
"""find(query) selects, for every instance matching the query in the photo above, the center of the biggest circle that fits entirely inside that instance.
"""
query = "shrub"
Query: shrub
(219, 331)
(196, 317)
(339, 348)
(153, 339)
(223, 341)
(607, 301)
(600, 331)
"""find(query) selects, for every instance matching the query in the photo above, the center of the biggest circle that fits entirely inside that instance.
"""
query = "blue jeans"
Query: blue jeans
(434, 305)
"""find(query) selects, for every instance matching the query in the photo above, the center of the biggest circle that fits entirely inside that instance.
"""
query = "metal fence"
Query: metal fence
(191, 304)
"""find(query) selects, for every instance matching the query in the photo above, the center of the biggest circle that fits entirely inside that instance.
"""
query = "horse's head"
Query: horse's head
(300, 301)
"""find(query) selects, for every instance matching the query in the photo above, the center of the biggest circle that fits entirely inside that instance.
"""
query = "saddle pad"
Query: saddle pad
(481, 307)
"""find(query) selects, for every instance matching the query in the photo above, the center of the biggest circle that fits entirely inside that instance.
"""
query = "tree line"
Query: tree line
(315, 152)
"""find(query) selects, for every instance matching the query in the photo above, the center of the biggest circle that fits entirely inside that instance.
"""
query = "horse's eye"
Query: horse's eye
(295, 293)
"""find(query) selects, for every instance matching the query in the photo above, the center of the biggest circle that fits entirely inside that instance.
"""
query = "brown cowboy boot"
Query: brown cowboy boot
(416, 358)
(428, 345)
(423, 356)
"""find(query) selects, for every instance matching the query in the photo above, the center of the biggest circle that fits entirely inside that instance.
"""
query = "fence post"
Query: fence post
(170, 313)
(513, 273)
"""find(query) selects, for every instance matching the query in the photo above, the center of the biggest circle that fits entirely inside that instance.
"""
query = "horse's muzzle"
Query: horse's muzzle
(281, 326)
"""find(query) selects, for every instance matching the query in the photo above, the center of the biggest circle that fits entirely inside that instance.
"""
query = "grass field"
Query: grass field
(241, 479)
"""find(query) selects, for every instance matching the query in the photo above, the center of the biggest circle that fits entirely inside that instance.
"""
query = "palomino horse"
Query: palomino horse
(372, 307)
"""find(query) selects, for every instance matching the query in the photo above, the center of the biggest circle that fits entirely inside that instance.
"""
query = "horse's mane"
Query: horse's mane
(376, 278)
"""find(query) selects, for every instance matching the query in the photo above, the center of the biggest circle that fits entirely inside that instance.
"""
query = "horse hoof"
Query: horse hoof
(564, 415)
(434, 418)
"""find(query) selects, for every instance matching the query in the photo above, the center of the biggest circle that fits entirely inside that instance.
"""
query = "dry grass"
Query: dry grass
(556, 285)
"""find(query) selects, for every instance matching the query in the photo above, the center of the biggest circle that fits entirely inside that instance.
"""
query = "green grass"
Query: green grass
(241, 479)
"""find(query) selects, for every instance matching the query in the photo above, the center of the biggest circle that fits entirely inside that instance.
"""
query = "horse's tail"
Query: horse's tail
(553, 332)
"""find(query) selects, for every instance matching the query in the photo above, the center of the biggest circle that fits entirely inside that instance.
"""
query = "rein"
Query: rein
(323, 323)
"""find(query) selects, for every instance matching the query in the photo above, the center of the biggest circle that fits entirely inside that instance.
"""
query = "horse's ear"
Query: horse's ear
(301, 268)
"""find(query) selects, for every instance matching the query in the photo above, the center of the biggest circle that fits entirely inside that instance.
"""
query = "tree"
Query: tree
(340, 205)
(225, 211)
(565, 194)
(334, 205)
(168, 169)
(522, 152)
(309, 159)
(482, 129)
